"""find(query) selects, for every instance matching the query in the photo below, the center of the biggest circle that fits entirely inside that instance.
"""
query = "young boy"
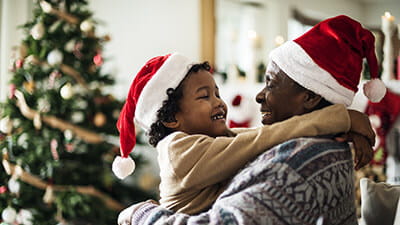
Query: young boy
(177, 102)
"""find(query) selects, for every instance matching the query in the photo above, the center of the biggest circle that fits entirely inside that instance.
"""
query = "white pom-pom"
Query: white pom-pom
(375, 90)
(123, 167)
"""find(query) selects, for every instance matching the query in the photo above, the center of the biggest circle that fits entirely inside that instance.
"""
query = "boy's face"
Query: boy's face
(281, 98)
(202, 111)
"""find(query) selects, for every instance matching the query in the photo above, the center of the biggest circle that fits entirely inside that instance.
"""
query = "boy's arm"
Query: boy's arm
(199, 160)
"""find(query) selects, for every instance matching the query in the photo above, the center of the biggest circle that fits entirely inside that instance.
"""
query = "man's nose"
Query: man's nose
(260, 97)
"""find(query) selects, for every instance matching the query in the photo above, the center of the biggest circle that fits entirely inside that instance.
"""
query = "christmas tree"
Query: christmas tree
(57, 128)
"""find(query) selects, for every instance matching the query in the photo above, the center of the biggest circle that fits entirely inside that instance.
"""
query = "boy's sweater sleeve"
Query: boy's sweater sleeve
(199, 160)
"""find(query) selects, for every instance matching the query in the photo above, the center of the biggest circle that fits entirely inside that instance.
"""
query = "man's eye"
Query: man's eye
(203, 96)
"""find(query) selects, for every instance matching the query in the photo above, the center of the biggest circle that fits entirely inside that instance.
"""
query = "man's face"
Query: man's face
(281, 98)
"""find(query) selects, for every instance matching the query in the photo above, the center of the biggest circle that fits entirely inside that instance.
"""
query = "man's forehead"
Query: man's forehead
(272, 68)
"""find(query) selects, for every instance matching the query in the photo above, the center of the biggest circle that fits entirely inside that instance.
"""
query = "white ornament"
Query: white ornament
(68, 134)
(14, 186)
(46, 7)
(44, 105)
(77, 117)
(37, 31)
(23, 140)
(66, 91)
(86, 26)
(6, 125)
(70, 45)
(25, 217)
(55, 57)
(8, 215)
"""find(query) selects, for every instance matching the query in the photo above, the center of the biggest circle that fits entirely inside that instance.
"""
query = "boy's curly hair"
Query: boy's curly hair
(170, 107)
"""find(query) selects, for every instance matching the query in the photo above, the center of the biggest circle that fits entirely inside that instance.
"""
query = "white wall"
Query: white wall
(12, 14)
(141, 29)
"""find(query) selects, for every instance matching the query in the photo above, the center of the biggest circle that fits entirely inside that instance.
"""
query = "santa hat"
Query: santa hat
(146, 95)
(328, 60)
(386, 112)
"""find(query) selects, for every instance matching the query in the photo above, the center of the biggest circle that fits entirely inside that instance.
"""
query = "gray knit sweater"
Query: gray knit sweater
(302, 181)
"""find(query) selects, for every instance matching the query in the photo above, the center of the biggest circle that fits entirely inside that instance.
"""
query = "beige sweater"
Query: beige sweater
(195, 168)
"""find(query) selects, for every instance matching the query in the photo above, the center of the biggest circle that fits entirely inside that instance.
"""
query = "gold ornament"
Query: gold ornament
(29, 86)
(87, 26)
(99, 119)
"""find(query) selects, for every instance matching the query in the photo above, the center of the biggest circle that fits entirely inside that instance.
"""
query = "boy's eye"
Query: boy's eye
(203, 96)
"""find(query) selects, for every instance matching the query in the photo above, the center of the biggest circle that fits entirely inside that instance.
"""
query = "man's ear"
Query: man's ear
(311, 100)
(172, 125)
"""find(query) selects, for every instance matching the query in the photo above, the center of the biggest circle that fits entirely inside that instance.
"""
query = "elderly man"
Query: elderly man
(305, 180)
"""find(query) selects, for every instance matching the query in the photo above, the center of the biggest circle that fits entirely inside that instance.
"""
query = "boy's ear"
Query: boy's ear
(311, 100)
(171, 125)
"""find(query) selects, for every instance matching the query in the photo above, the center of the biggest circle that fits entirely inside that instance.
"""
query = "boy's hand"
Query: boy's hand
(361, 124)
(362, 148)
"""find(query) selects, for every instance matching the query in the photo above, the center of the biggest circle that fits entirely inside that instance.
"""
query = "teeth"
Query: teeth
(266, 113)
(217, 117)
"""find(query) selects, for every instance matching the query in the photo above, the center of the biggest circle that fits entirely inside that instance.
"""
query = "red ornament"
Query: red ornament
(3, 189)
(12, 89)
(53, 148)
(19, 63)
(98, 60)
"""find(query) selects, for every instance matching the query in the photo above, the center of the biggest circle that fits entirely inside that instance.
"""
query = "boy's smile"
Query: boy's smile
(201, 110)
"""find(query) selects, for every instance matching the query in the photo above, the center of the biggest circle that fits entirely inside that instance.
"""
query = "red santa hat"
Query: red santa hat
(146, 95)
(328, 60)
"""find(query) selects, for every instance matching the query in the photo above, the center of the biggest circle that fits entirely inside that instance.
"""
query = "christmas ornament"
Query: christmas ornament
(87, 26)
(12, 89)
(48, 196)
(77, 117)
(44, 105)
(77, 49)
(3, 189)
(55, 26)
(68, 135)
(98, 60)
(66, 91)
(69, 147)
(52, 78)
(29, 86)
(70, 45)
(99, 119)
(116, 113)
(19, 63)
(22, 51)
(6, 125)
(53, 149)
(24, 217)
(46, 7)
(14, 186)
(55, 57)
(37, 31)
(30, 61)
(8, 215)
(23, 140)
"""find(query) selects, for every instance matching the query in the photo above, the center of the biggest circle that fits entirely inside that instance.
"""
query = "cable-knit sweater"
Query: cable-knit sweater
(194, 169)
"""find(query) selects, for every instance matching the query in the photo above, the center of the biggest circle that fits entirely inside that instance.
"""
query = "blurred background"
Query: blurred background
(89, 52)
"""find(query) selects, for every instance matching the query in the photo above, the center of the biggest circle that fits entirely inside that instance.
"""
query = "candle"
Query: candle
(387, 21)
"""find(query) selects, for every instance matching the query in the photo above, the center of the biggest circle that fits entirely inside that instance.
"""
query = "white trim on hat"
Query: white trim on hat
(169, 75)
(299, 66)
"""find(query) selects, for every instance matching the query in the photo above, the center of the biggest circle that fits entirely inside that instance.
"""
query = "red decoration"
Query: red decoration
(233, 124)
(98, 60)
(19, 63)
(12, 89)
(388, 109)
(3, 189)
(53, 148)
(237, 100)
